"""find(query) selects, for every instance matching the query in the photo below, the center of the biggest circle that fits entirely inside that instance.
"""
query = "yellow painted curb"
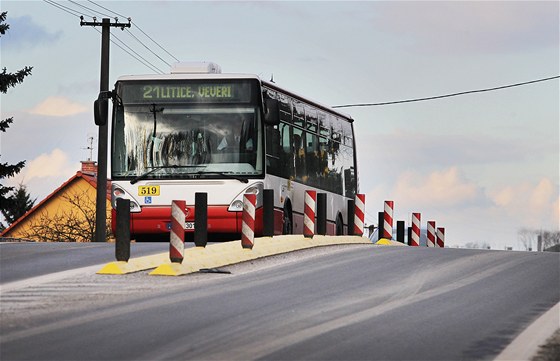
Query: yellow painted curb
(134, 264)
(388, 242)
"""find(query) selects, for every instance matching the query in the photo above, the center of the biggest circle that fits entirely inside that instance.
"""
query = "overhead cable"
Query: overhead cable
(142, 31)
(446, 95)
(64, 8)
(155, 42)
(130, 51)
(109, 10)
(89, 9)
(150, 50)
(155, 70)
(152, 66)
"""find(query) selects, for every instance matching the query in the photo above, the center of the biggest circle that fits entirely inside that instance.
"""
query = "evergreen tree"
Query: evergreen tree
(9, 80)
(22, 203)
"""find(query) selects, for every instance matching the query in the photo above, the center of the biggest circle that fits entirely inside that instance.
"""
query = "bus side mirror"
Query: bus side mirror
(272, 112)
(101, 107)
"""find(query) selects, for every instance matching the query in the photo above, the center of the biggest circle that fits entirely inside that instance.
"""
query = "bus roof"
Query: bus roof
(202, 76)
(309, 100)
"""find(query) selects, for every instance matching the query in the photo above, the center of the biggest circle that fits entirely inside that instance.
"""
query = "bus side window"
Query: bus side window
(299, 155)
(285, 151)
(312, 158)
(273, 150)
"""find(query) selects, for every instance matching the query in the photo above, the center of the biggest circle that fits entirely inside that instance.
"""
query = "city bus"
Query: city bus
(200, 130)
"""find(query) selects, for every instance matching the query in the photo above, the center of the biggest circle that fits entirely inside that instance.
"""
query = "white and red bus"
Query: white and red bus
(198, 130)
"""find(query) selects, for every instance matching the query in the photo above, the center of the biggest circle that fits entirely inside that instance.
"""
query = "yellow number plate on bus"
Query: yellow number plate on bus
(148, 190)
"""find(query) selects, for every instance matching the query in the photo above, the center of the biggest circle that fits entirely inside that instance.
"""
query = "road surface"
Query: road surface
(337, 303)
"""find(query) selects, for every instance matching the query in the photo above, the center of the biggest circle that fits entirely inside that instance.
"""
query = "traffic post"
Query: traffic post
(431, 236)
(309, 214)
(322, 213)
(200, 219)
(440, 237)
(359, 214)
(388, 220)
(248, 220)
(122, 231)
(177, 233)
(414, 239)
(268, 213)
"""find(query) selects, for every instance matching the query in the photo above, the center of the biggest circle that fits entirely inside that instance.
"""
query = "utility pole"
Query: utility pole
(101, 196)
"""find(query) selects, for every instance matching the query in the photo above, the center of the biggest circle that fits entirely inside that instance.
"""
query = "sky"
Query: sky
(482, 165)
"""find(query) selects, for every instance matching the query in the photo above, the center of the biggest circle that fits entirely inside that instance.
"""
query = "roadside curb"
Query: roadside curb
(223, 254)
(388, 242)
(526, 344)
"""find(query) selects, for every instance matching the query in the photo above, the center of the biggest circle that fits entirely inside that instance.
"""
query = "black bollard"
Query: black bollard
(350, 212)
(268, 213)
(200, 219)
(122, 231)
(409, 235)
(380, 222)
(400, 231)
(322, 213)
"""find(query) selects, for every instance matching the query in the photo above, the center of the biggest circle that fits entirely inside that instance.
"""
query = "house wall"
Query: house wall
(67, 216)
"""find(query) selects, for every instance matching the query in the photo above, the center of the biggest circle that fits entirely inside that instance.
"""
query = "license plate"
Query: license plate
(148, 190)
(189, 226)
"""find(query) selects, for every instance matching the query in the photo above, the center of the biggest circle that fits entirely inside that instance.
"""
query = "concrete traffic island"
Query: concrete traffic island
(223, 254)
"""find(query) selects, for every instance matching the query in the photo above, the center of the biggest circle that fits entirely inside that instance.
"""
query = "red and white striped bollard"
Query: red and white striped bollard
(248, 220)
(177, 233)
(309, 214)
(440, 237)
(388, 220)
(359, 214)
(431, 236)
(415, 234)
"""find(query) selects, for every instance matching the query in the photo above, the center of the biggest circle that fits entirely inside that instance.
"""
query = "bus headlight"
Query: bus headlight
(254, 189)
(237, 204)
(117, 193)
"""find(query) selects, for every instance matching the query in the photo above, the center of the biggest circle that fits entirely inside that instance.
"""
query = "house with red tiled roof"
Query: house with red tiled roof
(65, 215)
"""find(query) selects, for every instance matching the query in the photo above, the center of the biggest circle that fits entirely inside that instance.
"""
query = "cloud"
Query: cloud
(394, 152)
(55, 164)
(532, 204)
(447, 188)
(469, 212)
(25, 33)
(467, 26)
(57, 106)
(43, 174)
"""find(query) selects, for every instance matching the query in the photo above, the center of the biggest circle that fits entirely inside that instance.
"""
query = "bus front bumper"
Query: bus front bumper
(157, 220)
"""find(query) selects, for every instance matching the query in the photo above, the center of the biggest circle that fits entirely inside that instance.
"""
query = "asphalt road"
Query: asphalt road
(21, 260)
(337, 303)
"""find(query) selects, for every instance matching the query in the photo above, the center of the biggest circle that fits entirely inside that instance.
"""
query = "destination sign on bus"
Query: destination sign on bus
(136, 92)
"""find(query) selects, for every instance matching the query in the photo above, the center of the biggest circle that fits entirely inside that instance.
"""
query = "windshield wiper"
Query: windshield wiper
(144, 175)
(224, 174)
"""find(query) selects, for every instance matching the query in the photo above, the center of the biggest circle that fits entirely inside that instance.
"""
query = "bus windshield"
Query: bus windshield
(173, 140)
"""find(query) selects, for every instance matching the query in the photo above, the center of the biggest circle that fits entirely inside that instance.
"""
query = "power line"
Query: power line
(132, 52)
(85, 7)
(151, 66)
(109, 10)
(446, 95)
(150, 50)
(64, 8)
(136, 38)
(155, 42)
